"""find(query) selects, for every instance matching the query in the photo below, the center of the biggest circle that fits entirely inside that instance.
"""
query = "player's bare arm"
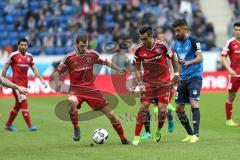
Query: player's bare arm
(198, 59)
(116, 67)
(174, 62)
(5, 68)
(227, 66)
(138, 74)
(6, 83)
(37, 74)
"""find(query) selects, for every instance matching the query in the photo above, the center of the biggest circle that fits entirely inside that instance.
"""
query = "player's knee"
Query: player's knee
(194, 104)
(231, 98)
(73, 102)
(180, 108)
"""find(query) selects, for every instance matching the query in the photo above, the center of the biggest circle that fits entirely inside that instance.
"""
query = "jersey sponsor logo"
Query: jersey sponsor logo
(83, 68)
(19, 60)
(23, 65)
(237, 51)
(145, 54)
(152, 59)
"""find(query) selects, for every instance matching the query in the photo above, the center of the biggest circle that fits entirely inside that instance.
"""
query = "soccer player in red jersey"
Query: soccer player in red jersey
(20, 61)
(232, 50)
(79, 66)
(152, 54)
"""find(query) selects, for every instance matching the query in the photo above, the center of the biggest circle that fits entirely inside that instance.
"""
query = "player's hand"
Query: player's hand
(44, 84)
(142, 88)
(232, 73)
(187, 63)
(123, 70)
(22, 90)
(181, 61)
(175, 79)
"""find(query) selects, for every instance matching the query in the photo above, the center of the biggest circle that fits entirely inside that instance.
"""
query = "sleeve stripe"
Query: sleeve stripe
(225, 48)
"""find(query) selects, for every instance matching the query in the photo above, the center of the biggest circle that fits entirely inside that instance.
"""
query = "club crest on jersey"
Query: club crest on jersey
(88, 59)
(145, 54)
(158, 50)
(235, 46)
(19, 60)
(29, 60)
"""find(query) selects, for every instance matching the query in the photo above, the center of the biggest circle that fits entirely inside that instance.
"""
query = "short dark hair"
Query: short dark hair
(236, 24)
(83, 38)
(179, 23)
(146, 28)
(22, 40)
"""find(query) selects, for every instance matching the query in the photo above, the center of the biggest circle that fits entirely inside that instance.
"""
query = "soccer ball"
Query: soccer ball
(100, 136)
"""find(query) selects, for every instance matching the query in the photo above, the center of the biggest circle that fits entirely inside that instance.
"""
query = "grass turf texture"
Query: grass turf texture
(53, 140)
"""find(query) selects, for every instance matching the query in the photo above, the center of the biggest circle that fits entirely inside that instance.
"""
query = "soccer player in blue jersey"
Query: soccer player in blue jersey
(190, 57)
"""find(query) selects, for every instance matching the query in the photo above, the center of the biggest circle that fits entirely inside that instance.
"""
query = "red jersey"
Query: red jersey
(232, 49)
(80, 67)
(20, 64)
(154, 62)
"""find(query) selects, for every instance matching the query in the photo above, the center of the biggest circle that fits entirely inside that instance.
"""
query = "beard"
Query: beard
(23, 51)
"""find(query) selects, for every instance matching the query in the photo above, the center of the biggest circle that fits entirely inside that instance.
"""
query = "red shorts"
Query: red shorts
(162, 93)
(233, 84)
(91, 95)
(21, 100)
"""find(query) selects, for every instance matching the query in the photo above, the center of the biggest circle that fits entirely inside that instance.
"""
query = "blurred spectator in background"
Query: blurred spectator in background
(104, 20)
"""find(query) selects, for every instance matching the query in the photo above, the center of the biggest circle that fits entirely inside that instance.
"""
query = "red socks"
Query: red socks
(228, 108)
(118, 128)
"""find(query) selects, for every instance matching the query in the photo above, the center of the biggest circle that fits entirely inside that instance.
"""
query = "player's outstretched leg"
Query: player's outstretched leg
(140, 119)
(107, 110)
(12, 117)
(162, 115)
(147, 133)
(73, 112)
(26, 115)
(196, 120)
(171, 121)
(184, 121)
(228, 108)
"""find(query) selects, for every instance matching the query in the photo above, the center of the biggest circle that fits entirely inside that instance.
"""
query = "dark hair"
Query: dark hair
(22, 40)
(179, 23)
(236, 24)
(146, 28)
(83, 38)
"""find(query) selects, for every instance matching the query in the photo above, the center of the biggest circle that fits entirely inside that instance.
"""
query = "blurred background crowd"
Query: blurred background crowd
(50, 25)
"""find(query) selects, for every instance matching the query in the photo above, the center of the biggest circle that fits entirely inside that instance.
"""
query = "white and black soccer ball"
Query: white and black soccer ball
(100, 136)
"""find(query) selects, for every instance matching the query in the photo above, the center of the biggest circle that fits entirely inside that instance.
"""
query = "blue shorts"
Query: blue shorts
(188, 89)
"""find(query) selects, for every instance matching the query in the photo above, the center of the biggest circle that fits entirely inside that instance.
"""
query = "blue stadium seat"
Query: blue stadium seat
(13, 42)
(10, 27)
(69, 49)
(60, 50)
(34, 51)
(3, 36)
(23, 34)
(42, 3)
(50, 51)
(4, 43)
(13, 35)
(34, 5)
(2, 28)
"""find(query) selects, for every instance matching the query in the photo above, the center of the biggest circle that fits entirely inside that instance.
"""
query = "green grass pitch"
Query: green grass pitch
(54, 141)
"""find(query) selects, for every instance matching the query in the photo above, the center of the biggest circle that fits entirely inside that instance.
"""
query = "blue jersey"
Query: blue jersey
(186, 51)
